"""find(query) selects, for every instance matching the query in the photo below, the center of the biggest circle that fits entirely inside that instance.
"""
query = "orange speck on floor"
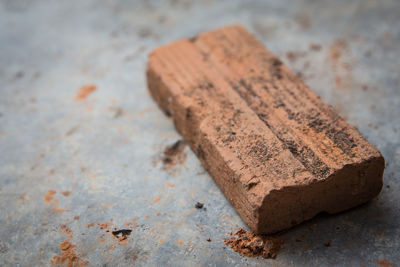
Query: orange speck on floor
(156, 199)
(105, 225)
(84, 91)
(385, 263)
(68, 256)
(60, 210)
(56, 208)
(66, 193)
(49, 196)
(180, 242)
(66, 230)
(170, 184)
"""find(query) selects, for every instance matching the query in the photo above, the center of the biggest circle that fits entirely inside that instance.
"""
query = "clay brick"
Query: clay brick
(278, 153)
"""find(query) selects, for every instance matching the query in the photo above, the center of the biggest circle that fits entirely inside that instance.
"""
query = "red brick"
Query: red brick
(278, 153)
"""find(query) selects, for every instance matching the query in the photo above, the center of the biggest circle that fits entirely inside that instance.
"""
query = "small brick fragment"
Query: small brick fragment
(279, 154)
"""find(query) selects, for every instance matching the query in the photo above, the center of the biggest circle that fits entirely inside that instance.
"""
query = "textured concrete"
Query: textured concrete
(106, 150)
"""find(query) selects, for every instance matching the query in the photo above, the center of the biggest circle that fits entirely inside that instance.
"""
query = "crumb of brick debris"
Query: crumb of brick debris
(251, 245)
(173, 154)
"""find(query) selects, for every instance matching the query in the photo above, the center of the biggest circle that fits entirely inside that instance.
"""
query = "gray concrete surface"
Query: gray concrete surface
(106, 150)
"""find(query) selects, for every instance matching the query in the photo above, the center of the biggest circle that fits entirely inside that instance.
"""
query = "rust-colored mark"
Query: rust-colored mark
(66, 230)
(170, 184)
(156, 199)
(337, 49)
(161, 241)
(105, 225)
(180, 242)
(385, 263)
(76, 218)
(51, 172)
(65, 245)
(84, 91)
(68, 256)
(49, 196)
(66, 193)
(89, 225)
(111, 247)
(56, 208)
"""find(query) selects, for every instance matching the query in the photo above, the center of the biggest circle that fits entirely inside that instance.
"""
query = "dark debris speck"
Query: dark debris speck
(122, 232)
(199, 205)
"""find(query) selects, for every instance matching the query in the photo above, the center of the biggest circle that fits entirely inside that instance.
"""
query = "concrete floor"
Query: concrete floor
(102, 155)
